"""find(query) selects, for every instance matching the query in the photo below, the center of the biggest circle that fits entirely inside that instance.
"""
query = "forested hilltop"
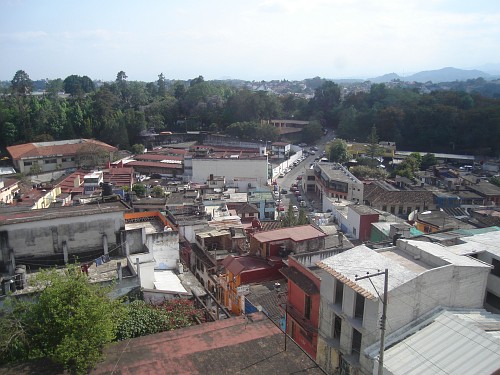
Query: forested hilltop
(116, 112)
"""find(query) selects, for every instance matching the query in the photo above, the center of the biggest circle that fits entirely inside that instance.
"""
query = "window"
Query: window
(408, 210)
(27, 163)
(50, 161)
(493, 300)
(417, 208)
(384, 208)
(339, 292)
(400, 210)
(359, 306)
(337, 327)
(356, 343)
(496, 267)
(307, 307)
(393, 210)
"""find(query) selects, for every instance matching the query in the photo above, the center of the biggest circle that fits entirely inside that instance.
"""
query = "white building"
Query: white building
(484, 247)
(333, 181)
(59, 234)
(445, 341)
(422, 276)
(54, 155)
(8, 189)
(239, 171)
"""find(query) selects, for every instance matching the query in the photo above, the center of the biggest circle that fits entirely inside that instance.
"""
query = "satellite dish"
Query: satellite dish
(411, 216)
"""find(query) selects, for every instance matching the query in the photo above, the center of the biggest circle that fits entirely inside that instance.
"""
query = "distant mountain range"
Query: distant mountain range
(436, 76)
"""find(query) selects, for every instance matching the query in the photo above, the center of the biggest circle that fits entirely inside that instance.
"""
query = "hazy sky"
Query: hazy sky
(246, 39)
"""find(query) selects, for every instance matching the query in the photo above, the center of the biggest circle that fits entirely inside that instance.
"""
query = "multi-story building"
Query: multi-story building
(421, 276)
(335, 181)
(242, 171)
(50, 156)
(384, 196)
(302, 309)
(279, 242)
(9, 187)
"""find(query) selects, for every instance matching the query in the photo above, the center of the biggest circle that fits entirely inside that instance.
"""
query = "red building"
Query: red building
(362, 217)
(302, 310)
(241, 271)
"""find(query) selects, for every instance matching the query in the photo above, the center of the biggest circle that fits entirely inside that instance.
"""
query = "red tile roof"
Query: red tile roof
(154, 164)
(68, 184)
(241, 345)
(296, 234)
(69, 147)
(157, 157)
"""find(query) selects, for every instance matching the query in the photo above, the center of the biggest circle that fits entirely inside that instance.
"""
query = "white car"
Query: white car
(295, 209)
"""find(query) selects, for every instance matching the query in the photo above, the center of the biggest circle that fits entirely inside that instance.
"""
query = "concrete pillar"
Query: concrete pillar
(138, 266)
(143, 233)
(119, 271)
(105, 243)
(127, 246)
(12, 265)
(65, 252)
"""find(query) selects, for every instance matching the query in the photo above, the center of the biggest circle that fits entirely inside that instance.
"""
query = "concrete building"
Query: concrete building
(484, 247)
(263, 200)
(152, 247)
(387, 197)
(433, 221)
(240, 272)
(422, 276)
(57, 235)
(280, 149)
(447, 341)
(353, 219)
(51, 156)
(241, 171)
(335, 181)
(303, 301)
(9, 187)
(281, 242)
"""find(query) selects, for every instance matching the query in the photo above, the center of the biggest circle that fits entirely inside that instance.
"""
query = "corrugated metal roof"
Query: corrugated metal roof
(448, 345)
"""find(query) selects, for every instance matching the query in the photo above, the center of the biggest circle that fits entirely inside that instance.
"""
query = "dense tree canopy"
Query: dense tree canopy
(70, 322)
(116, 112)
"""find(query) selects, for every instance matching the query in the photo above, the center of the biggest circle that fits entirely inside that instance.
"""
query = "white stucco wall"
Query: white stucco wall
(46, 237)
(238, 172)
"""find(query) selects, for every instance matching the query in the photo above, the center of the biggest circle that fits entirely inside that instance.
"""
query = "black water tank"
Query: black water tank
(107, 189)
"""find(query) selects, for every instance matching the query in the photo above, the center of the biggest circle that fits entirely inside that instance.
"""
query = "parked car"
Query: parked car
(284, 191)
(281, 175)
(299, 177)
(281, 208)
(295, 209)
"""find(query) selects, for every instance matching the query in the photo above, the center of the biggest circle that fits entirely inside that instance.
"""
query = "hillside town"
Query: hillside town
(296, 263)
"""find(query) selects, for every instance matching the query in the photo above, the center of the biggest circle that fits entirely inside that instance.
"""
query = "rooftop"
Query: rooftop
(449, 342)
(242, 345)
(62, 212)
(296, 234)
(336, 172)
(361, 209)
(405, 262)
(41, 149)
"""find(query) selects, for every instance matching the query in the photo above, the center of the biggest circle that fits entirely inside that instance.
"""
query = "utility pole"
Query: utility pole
(383, 319)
